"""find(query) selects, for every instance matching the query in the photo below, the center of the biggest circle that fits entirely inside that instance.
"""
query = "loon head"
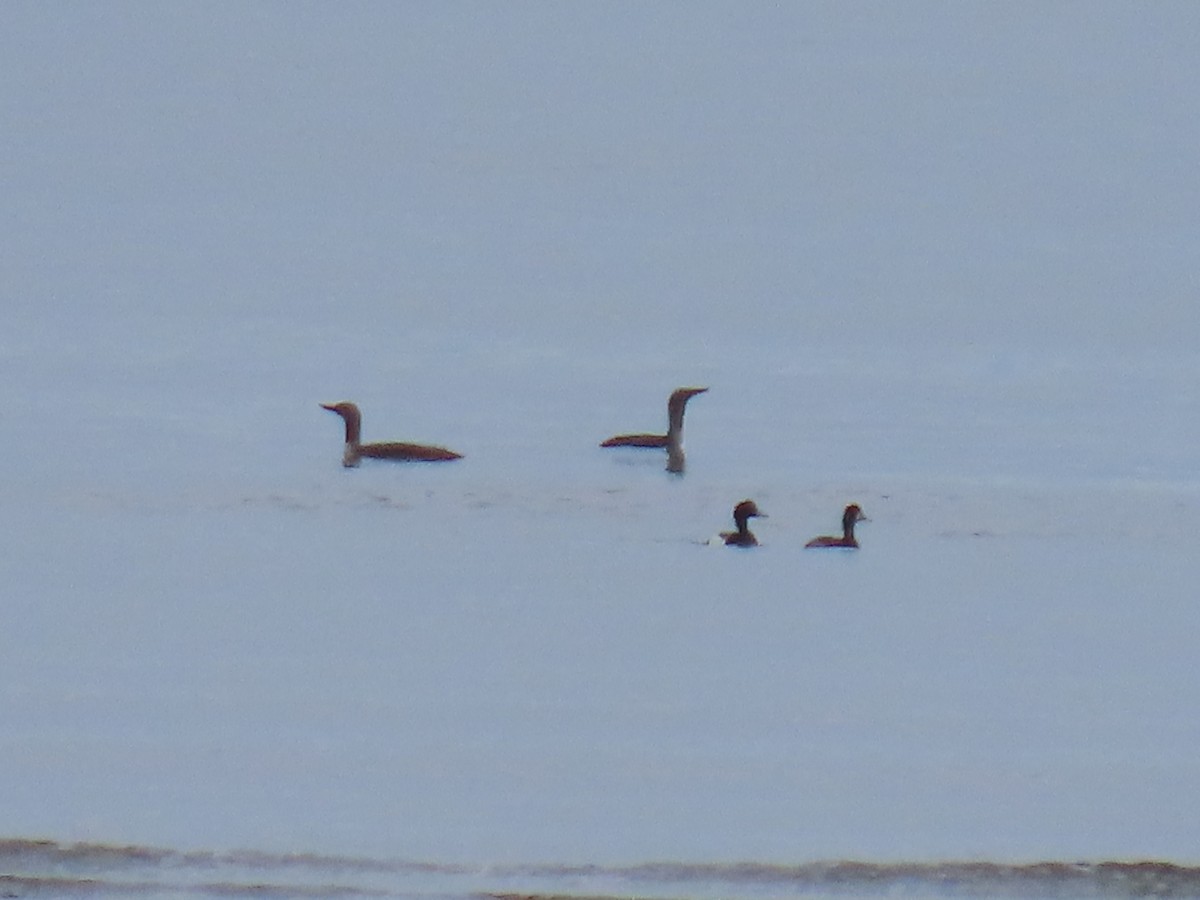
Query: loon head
(353, 418)
(680, 397)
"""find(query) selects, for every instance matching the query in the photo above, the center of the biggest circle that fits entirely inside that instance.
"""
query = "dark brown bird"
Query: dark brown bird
(743, 537)
(355, 450)
(849, 517)
(673, 439)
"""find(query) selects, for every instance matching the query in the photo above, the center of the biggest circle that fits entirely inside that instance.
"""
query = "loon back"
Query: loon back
(402, 451)
(636, 440)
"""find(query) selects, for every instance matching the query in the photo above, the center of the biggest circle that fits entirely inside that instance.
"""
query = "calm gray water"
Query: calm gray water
(936, 260)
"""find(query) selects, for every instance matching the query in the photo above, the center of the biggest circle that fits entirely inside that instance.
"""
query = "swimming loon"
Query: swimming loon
(849, 517)
(743, 537)
(673, 439)
(355, 451)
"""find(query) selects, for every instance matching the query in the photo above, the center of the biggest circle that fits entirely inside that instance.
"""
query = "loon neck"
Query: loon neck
(351, 453)
(676, 460)
(675, 456)
(675, 425)
(676, 406)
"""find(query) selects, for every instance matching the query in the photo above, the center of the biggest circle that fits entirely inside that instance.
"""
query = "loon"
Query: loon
(673, 439)
(355, 450)
(849, 517)
(743, 537)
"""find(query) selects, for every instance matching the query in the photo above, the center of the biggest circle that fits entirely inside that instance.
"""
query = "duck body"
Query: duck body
(743, 537)
(672, 440)
(354, 450)
(852, 515)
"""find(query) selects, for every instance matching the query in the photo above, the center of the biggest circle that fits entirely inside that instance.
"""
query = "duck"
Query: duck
(852, 515)
(355, 450)
(743, 537)
(673, 439)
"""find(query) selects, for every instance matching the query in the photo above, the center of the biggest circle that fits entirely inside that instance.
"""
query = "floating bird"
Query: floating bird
(849, 517)
(673, 439)
(355, 450)
(743, 537)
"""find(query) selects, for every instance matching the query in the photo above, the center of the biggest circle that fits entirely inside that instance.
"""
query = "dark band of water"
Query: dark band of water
(46, 868)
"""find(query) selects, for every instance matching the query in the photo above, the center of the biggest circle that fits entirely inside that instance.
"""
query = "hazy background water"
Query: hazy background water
(934, 258)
